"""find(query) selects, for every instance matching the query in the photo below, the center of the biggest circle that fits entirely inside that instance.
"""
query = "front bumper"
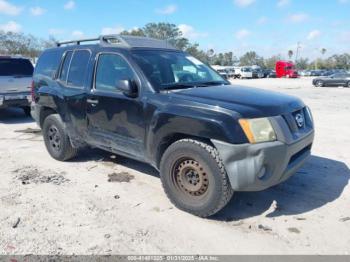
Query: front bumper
(255, 167)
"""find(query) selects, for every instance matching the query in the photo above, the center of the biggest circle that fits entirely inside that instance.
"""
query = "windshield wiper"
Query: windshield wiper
(193, 85)
(212, 83)
(178, 86)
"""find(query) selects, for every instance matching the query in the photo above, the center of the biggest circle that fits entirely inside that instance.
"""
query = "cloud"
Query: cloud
(168, 10)
(244, 3)
(11, 26)
(243, 33)
(7, 8)
(37, 11)
(262, 20)
(298, 17)
(112, 30)
(69, 5)
(189, 32)
(283, 3)
(313, 35)
(343, 2)
(77, 34)
(56, 31)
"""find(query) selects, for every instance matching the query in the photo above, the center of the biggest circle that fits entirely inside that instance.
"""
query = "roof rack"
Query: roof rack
(123, 41)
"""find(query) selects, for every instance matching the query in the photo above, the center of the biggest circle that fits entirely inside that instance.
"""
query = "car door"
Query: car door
(115, 121)
(72, 79)
(336, 80)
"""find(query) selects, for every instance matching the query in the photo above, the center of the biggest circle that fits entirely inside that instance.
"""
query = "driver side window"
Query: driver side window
(111, 68)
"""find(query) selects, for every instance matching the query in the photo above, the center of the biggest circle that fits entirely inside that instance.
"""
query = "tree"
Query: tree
(323, 51)
(134, 32)
(270, 63)
(290, 54)
(302, 63)
(163, 31)
(251, 58)
(21, 44)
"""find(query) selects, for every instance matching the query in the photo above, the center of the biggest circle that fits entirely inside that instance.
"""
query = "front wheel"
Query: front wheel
(319, 84)
(194, 178)
(56, 139)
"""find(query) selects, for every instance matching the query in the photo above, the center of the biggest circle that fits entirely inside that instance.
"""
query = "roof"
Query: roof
(123, 41)
(13, 57)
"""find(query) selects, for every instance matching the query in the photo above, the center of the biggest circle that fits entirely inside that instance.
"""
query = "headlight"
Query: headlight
(258, 130)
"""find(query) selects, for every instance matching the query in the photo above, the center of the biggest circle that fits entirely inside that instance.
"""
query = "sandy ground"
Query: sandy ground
(49, 207)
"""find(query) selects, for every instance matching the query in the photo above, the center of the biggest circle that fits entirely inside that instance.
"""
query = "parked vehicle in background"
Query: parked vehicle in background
(258, 73)
(144, 99)
(15, 82)
(223, 73)
(221, 70)
(339, 79)
(269, 73)
(286, 69)
(244, 72)
(303, 73)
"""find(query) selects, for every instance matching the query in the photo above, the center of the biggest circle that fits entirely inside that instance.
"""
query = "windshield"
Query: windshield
(167, 69)
(16, 67)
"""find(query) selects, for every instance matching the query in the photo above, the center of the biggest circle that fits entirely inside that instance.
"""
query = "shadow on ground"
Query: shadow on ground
(14, 116)
(319, 182)
(107, 157)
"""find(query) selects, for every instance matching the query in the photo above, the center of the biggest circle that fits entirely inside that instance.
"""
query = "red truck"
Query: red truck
(286, 69)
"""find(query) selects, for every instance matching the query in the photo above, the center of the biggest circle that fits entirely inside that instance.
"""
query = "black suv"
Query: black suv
(143, 99)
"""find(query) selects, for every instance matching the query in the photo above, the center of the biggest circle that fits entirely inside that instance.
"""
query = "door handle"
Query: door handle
(93, 102)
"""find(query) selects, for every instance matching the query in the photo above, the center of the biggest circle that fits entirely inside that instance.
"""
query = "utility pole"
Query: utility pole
(297, 52)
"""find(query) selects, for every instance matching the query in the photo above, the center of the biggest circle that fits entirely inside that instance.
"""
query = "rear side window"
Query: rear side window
(65, 66)
(78, 68)
(48, 63)
(16, 67)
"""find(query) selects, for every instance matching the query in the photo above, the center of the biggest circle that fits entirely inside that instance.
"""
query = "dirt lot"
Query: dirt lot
(105, 204)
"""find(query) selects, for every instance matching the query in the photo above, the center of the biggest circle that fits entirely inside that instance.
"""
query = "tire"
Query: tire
(319, 83)
(26, 110)
(56, 139)
(194, 178)
(348, 84)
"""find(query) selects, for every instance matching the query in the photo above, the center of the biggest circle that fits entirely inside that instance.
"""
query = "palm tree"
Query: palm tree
(290, 54)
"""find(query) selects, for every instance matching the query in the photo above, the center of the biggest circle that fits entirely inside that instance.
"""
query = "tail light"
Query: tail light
(32, 92)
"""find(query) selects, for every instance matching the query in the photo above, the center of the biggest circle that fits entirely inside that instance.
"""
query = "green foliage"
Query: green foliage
(290, 54)
(270, 63)
(302, 63)
(251, 58)
(21, 44)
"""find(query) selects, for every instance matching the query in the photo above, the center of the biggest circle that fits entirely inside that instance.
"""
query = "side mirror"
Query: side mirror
(128, 87)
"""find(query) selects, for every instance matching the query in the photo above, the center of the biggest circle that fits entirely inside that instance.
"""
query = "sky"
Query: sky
(268, 27)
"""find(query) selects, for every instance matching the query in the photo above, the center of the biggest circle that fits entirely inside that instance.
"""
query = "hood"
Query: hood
(247, 101)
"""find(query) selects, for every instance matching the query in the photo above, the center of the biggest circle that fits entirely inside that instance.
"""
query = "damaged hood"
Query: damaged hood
(247, 101)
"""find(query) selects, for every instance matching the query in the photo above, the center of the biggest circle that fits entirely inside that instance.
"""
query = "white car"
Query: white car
(15, 82)
(245, 72)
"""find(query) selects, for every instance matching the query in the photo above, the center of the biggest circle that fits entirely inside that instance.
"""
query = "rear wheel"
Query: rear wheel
(319, 84)
(26, 110)
(194, 178)
(56, 139)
